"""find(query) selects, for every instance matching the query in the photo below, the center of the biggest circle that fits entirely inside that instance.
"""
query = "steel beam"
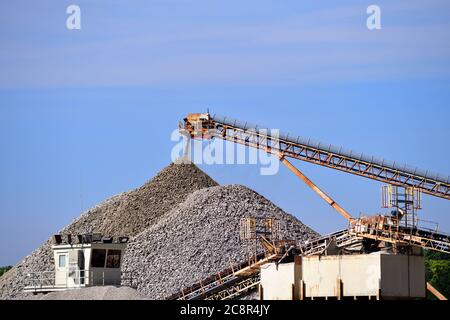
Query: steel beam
(435, 292)
(385, 173)
(315, 188)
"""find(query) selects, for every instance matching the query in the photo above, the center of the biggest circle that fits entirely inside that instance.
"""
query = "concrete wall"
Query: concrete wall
(277, 283)
(376, 275)
(359, 274)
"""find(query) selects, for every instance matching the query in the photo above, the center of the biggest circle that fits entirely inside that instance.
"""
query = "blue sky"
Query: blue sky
(87, 114)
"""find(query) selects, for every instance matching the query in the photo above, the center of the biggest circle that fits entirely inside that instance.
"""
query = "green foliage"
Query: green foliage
(434, 255)
(3, 270)
(437, 272)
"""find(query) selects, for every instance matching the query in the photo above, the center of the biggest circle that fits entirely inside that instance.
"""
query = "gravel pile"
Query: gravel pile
(132, 212)
(184, 228)
(125, 214)
(200, 238)
(11, 283)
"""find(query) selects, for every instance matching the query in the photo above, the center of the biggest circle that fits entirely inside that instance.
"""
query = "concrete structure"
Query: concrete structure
(378, 276)
(80, 265)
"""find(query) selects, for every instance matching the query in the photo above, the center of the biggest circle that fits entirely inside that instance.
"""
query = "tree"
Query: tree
(437, 272)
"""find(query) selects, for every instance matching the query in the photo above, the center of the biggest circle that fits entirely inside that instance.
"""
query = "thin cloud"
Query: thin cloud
(327, 45)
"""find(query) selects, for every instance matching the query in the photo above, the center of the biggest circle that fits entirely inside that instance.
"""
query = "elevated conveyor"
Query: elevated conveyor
(232, 283)
(205, 126)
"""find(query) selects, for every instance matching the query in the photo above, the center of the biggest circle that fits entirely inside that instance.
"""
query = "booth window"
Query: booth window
(113, 260)
(98, 258)
(62, 261)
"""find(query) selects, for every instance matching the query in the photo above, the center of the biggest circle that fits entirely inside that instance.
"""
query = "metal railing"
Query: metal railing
(391, 230)
(227, 279)
(53, 280)
(38, 280)
(57, 280)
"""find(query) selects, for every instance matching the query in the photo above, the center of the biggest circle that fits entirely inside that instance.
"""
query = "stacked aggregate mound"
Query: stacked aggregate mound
(200, 238)
(125, 214)
(132, 212)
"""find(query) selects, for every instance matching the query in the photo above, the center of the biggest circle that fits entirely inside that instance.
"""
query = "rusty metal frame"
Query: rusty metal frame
(389, 230)
(436, 292)
(221, 280)
(237, 290)
(379, 230)
(316, 189)
(287, 148)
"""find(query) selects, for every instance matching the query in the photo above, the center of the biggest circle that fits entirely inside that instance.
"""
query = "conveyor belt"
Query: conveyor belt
(330, 156)
(238, 290)
(230, 279)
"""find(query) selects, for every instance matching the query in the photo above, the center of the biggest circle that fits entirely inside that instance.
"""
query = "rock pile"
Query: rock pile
(133, 212)
(200, 238)
(184, 227)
